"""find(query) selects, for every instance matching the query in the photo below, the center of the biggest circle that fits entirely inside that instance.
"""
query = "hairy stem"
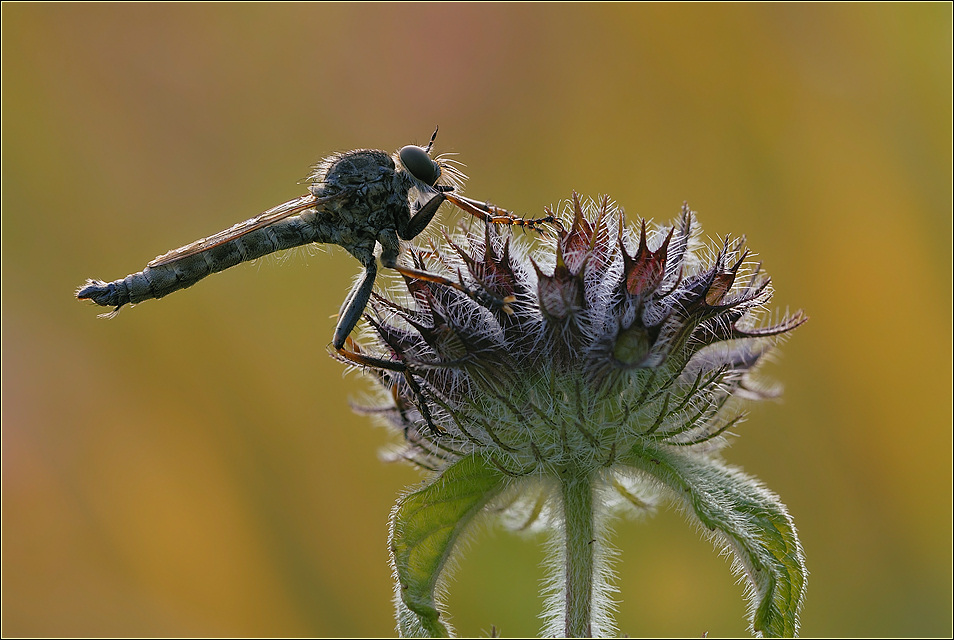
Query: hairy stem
(579, 548)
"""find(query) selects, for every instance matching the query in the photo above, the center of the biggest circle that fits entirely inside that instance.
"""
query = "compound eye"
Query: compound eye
(416, 160)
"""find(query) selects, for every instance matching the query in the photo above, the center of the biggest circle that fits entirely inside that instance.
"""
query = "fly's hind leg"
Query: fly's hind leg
(351, 312)
(354, 355)
(354, 304)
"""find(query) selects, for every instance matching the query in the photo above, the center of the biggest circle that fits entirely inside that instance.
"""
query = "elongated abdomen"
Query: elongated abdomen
(164, 278)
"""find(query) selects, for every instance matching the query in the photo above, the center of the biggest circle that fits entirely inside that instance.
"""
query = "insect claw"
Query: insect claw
(353, 355)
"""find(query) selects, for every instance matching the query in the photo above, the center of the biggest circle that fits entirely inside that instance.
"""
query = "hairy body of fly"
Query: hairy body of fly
(353, 198)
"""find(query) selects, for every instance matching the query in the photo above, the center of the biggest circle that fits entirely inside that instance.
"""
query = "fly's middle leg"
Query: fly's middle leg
(389, 255)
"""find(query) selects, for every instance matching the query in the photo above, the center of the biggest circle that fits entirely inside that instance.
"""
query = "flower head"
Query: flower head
(612, 361)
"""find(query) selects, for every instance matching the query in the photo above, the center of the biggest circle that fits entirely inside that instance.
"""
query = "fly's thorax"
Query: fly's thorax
(354, 168)
(374, 196)
(365, 174)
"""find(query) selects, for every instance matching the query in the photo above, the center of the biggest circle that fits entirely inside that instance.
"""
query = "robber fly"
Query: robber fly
(355, 200)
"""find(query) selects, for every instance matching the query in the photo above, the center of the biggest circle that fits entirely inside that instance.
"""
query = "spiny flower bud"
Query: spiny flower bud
(612, 360)
(614, 337)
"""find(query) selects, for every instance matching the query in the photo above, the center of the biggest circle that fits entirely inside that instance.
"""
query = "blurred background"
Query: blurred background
(192, 467)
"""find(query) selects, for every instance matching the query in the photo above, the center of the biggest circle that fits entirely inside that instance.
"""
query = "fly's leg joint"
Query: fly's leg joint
(484, 296)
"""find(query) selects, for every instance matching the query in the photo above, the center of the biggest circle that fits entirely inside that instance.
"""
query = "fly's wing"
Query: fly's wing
(271, 216)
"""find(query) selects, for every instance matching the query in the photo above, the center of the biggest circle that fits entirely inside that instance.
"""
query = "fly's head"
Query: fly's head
(427, 174)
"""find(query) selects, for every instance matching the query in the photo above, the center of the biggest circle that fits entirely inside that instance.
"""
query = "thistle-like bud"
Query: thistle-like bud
(613, 336)
(613, 359)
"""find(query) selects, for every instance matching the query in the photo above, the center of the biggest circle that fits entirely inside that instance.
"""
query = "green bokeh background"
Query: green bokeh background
(192, 467)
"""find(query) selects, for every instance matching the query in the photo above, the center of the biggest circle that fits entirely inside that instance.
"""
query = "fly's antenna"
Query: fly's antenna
(430, 144)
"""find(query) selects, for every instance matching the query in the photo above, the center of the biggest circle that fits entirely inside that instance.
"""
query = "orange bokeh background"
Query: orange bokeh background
(192, 467)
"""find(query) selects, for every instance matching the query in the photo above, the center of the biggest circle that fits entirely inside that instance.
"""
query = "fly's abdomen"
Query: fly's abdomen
(184, 267)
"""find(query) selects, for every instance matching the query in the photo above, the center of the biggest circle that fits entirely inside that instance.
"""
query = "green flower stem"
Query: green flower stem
(578, 517)
(535, 383)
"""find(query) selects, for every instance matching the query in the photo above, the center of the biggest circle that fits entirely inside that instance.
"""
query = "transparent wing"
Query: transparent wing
(271, 216)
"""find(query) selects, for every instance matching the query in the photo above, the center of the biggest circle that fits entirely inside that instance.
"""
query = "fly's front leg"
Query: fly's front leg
(496, 215)
(422, 218)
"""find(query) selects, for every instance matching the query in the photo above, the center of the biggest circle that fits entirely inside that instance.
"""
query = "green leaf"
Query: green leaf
(742, 515)
(425, 526)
